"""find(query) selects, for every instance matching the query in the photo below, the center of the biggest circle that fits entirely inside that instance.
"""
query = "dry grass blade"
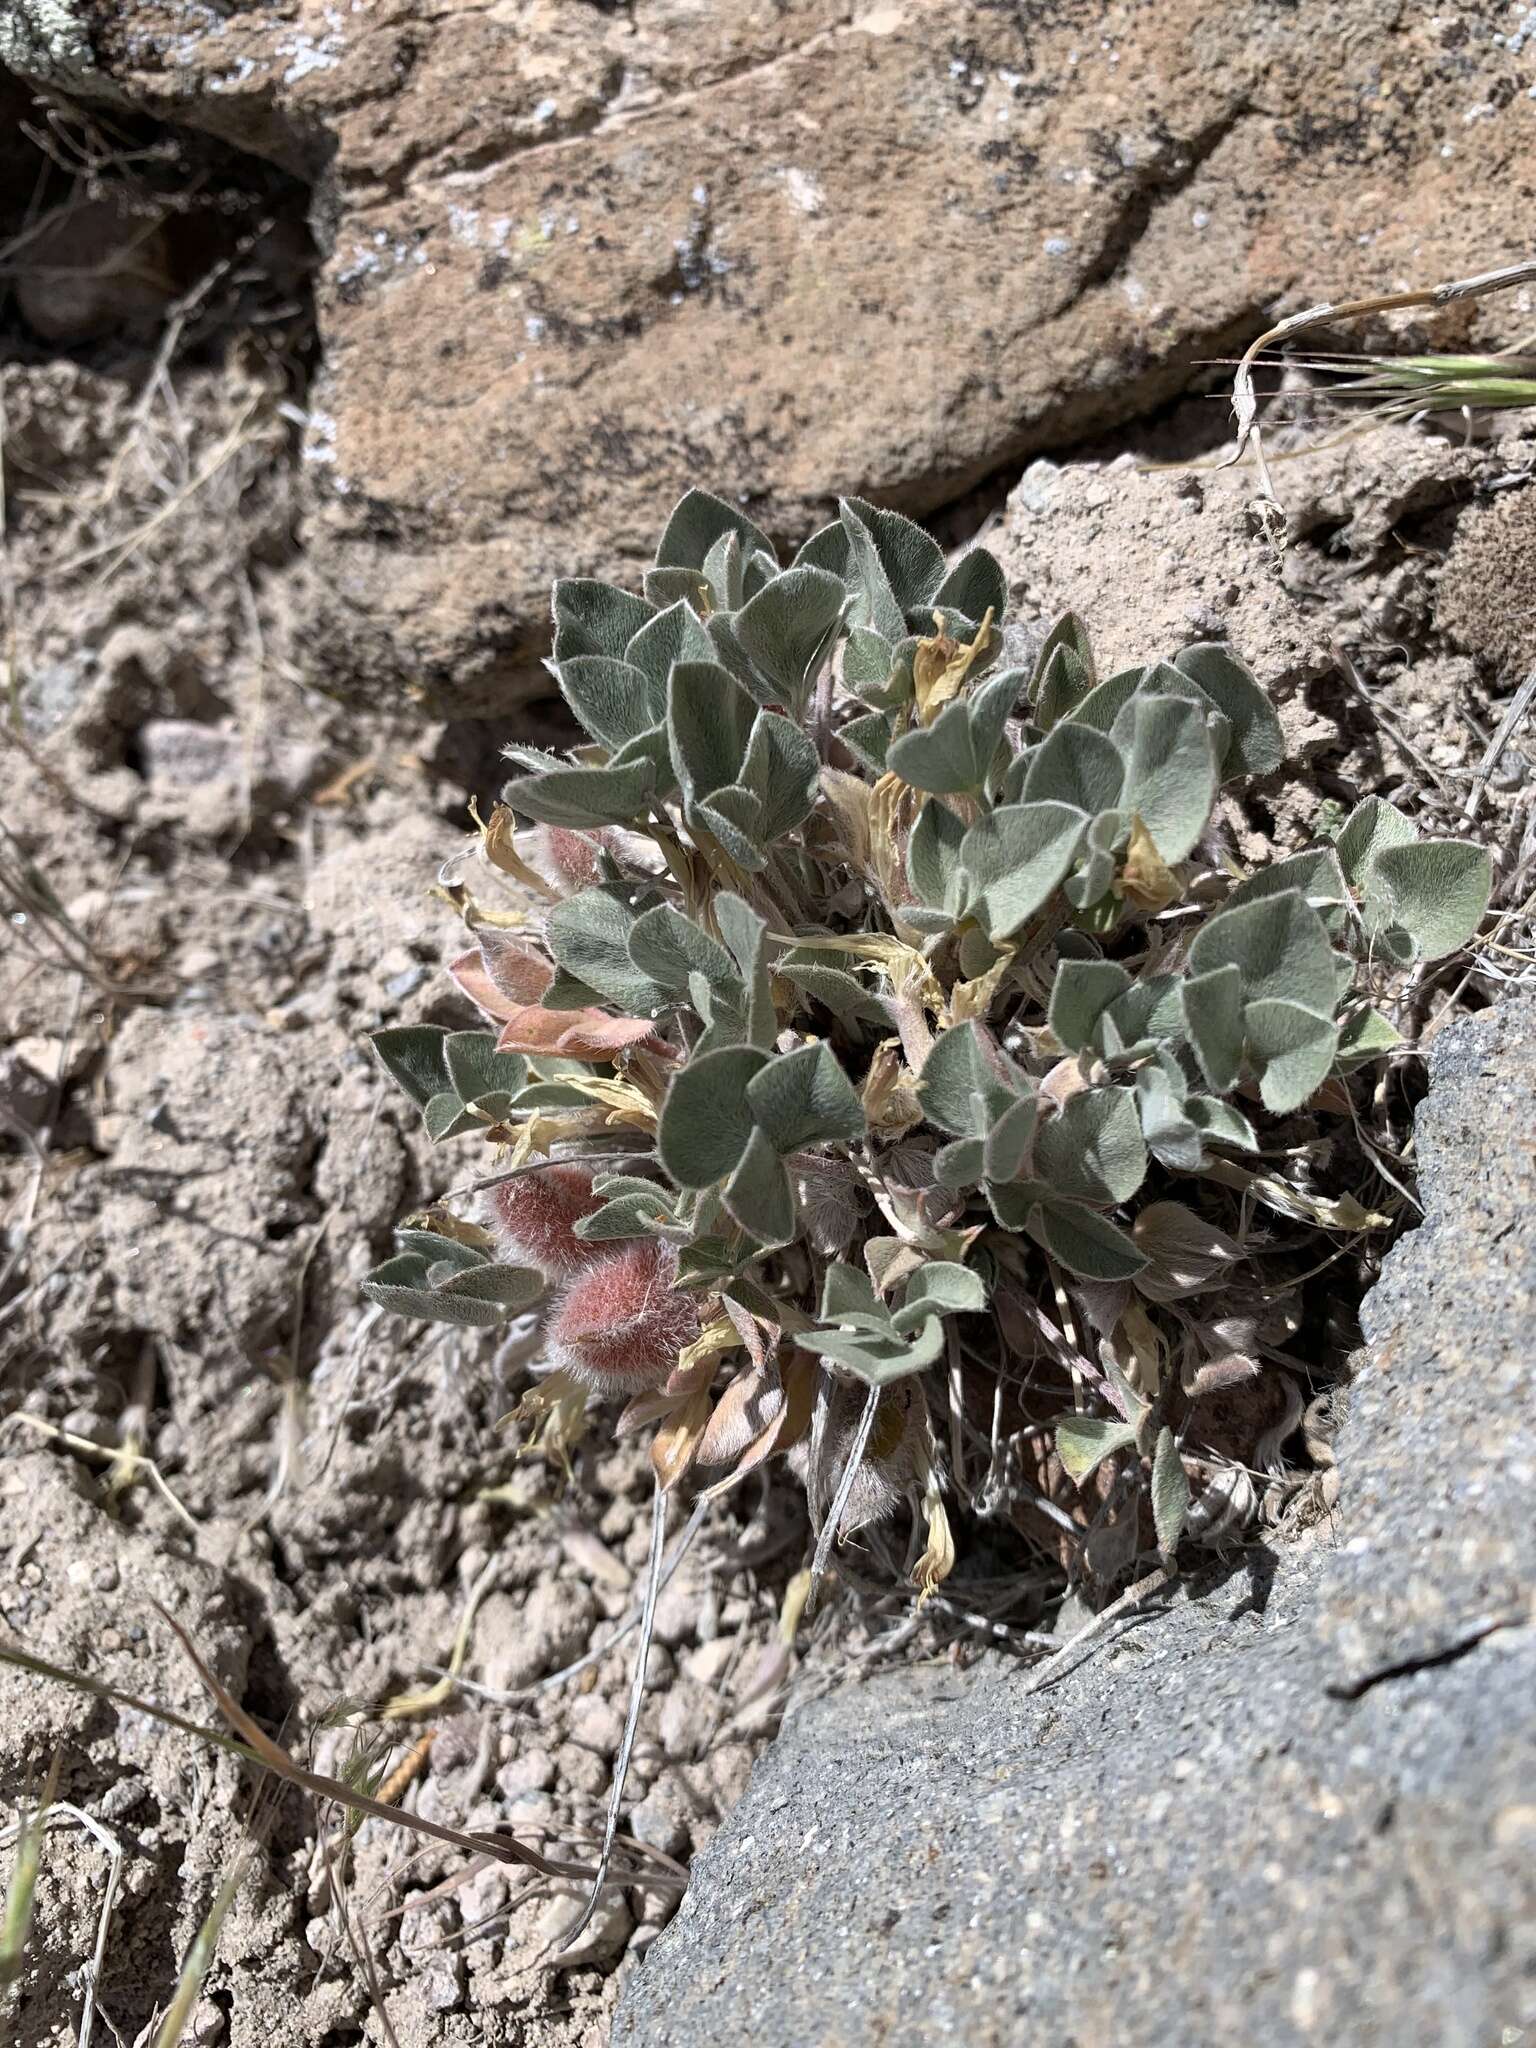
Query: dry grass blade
(850, 1471)
(21, 1892)
(252, 1746)
(62, 1814)
(200, 1955)
(632, 1717)
(506, 1848)
(405, 1706)
(1245, 405)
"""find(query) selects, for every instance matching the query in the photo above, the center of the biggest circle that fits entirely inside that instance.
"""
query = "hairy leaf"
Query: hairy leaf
(1016, 859)
(804, 1098)
(706, 1122)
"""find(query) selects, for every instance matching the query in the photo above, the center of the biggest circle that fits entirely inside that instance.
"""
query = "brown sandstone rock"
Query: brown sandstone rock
(581, 254)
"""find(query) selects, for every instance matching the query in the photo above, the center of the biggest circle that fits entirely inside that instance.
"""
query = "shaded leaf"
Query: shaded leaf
(759, 1193)
(804, 1098)
(412, 1056)
(706, 1123)
(1170, 1492)
(1083, 1442)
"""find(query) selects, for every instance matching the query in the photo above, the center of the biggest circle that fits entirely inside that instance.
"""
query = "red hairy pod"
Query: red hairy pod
(533, 1219)
(620, 1324)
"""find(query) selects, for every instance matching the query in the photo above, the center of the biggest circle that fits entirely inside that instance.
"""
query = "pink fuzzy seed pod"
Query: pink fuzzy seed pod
(533, 1219)
(620, 1324)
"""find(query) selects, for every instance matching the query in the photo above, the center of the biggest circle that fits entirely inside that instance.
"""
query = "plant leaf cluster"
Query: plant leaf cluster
(966, 1035)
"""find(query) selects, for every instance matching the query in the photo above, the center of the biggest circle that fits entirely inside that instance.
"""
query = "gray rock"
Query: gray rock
(1282, 1813)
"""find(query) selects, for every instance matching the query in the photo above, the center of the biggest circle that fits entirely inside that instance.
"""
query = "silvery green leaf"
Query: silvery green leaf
(759, 1193)
(472, 1297)
(1006, 1147)
(745, 933)
(1075, 765)
(1170, 776)
(614, 700)
(1280, 946)
(1371, 827)
(725, 572)
(1015, 860)
(589, 936)
(475, 1068)
(633, 1215)
(1086, 1243)
(1069, 633)
(697, 522)
(723, 1014)
(877, 1360)
(783, 771)
(1083, 1442)
(788, 628)
(1103, 704)
(1365, 1034)
(1150, 1013)
(670, 947)
(677, 634)
(1082, 991)
(868, 739)
(961, 1164)
(595, 618)
(650, 747)
(537, 758)
(446, 1117)
(565, 992)
(1170, 1492)
(1092, 1149)
(968, 1081)
(1089, 884)
(1064, 684)
(868, 670)
(824, 980)
(412, 1056)
(709, 722)
(438, 1251)
(578, 798)
(940, 1288)
(977, 954)
(941, 757)
(735, 817)
(1219, 1123)
(1255, 744)
(827, 549)
(1213, 1018)
(705, 1124)
(1436, 889)
(894, 568)
(1172, 1136)
(933, 856)
(848, 1291)
(758, 568)
(1316, 873)
(721, 628)
(1293, 1049)
(973, 587)
(804, 1098)
(665, 587)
